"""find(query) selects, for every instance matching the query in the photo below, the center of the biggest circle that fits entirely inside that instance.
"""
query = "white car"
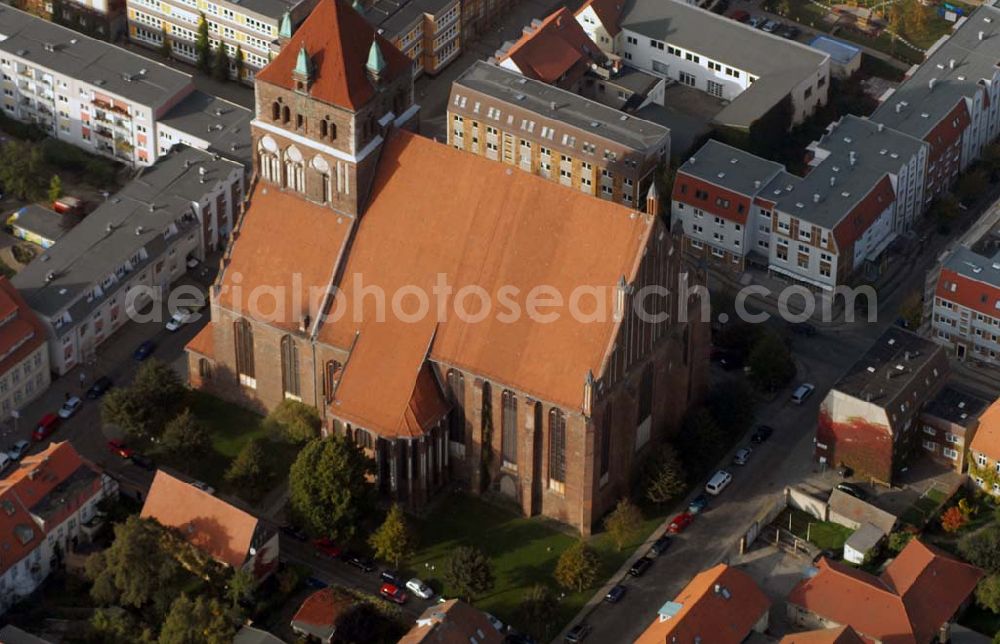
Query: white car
(419, 588)
(181, 317)
(70, 407)
(18, 449)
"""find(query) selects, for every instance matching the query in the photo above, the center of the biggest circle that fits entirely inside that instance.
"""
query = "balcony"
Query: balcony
(104, 132)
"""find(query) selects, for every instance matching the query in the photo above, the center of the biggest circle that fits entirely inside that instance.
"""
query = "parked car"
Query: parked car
(367, 564)
(761, 434)
(495, 622)
(698, 504)
(119, 448)
(192, 262)
(680, 522)
(739, 15)
(419, 588)
(99, 388)
(48, 424)
(718, 482)
(854, 490)
(770, 26)
(615, 594)
(578, 633)
(756, 22)
(393, 593)
(327, 548)
(142, 461)
(70, 407)
(640, 566)
(802, 392)
(295, 533)
(315, 582)
(790, 32)
(204, 487)
(5, 462)
(845, 471)
(18, 449)
(391, 576)
(742, 456)
(144, 350)
(179, 319)
(659, 546)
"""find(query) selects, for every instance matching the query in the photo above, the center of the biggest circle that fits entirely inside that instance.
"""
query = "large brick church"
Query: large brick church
(348, 203)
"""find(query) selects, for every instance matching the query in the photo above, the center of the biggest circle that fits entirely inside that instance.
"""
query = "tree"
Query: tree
(953, 519)
(917, 17)
(55, 188)
(770, 361)
(203, 45)
(624, 523)
(293, 421)
(241, 586)
(122, 408)
(184, 435)
(732, 404)
(240, 62)
(896, 20)
(944, 209)
(577, 567)
(982, 548)
(899, 540)
(664, 475)
(988, 593)
(21, 170)
(912, 310)
(700, 440)
(538, 610)
(220, 64)
(393, 541)
(115, 625)
(144, 408)
(249, 471)
(202, 621)
(166, 48)
(972, 185)
(136, 570)
(328, 489)
(469, 572)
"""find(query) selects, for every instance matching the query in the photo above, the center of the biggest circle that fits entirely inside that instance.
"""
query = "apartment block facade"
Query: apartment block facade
(50, 505)
(870, 419)
(254, 27)
(948, 424)
(24, 352)
(555, 134)
(428, 32)
(132, 248)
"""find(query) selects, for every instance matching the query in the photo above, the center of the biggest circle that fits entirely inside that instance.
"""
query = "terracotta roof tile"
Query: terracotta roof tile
(608, 11)
(208, 523)
(486, 225)
(920, 590)
(704, 615)
(987, 438)
(453, 622)
(25, 324)
(28, 487)
(289, 246)
(338, 40)
(323, 608)
(839, 635)
(554, 48)
(203, 343)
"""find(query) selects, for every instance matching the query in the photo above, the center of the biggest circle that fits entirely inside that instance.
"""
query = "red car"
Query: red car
(680, 522)
(393, 593)
(118, 448)
(327, 548)
(48, 424)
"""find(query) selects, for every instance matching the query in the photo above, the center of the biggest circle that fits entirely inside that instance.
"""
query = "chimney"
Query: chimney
(833, 181)
(816, 197)
(982, 35)
(756, 184)
(852, 158)
(951, 64)
(931, 82)
(653, 200)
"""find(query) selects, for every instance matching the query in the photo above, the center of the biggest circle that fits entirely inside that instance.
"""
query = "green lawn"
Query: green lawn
(524, 552)
(924, 508)
(829, 536)
(231, 427)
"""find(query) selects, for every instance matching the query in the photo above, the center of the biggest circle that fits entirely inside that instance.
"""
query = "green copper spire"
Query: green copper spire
(285, 29)
(376, 61)
(303, 66)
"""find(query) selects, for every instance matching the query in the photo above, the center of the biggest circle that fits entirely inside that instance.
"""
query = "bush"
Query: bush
(577, 567)
(185, 436)
(293, 421)
(23, 253)
(953, 519)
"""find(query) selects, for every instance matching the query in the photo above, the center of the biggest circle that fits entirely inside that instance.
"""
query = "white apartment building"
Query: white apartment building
(753, 71)
(131, 248)
(48, 505)
(252, 26)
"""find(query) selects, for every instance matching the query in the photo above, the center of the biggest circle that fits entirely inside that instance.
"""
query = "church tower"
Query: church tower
(324, 106)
